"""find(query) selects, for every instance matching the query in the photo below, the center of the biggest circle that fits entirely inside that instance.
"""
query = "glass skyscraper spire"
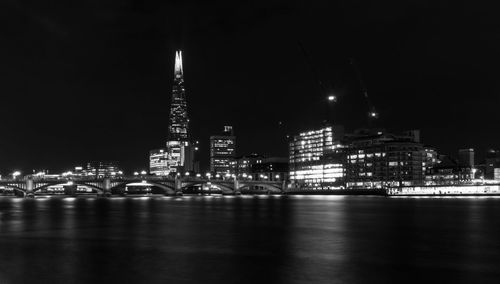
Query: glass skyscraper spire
(178, 126)
(178, 154)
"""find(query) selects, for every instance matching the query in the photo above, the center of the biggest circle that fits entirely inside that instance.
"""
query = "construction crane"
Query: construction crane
(331, 98)
(372, 113)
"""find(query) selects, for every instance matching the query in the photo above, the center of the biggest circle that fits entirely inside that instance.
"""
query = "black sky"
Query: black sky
(91, 80)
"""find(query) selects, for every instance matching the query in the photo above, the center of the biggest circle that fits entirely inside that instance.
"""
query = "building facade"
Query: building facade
(448, 171)
(178, 154)
(158, 162)
(270, 169)
(466, 157)
(380, 159)
(316, 159)
(243, 164)
(223, 152)
(100, 169)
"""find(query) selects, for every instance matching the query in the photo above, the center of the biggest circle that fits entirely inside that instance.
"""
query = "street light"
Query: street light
(332, 98)
(16, 174)
(143, 172)
(136, 173)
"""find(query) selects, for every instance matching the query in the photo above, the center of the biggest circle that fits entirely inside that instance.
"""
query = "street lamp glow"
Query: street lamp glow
(143, 172)
(136, 173)
(198, 175)
(217, 176)
(332, 98)
(16, 174)
(186, 174)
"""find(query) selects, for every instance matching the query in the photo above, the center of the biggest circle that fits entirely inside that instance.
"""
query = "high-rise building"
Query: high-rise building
(178, 155)
(316, 161)
(178, 127)
(466, 157)
(223, 152)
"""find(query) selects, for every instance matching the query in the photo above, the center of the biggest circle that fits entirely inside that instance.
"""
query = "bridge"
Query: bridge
(109, 186)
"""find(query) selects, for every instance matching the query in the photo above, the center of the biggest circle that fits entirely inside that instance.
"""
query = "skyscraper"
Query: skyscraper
(179, 151)
(223, 152)
(178, 127)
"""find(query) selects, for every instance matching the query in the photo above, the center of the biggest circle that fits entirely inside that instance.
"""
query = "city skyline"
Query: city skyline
(233, 76)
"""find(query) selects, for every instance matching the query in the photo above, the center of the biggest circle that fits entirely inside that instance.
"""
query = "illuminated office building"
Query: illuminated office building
(377, 159)
(158, 162)
(101, 169)
(243, 164)
(178, 155)
(223, 152)
(316, 159)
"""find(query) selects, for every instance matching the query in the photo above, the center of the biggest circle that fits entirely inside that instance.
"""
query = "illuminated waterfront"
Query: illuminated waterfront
(249, 239)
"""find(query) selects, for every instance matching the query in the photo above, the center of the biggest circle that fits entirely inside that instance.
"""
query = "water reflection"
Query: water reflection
(248, 239)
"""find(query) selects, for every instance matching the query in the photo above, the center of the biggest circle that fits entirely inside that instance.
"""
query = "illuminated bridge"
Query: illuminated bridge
(122, 185)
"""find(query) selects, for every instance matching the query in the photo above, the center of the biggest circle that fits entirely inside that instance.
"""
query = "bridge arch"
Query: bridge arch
(45, 185)
(167, 188)
(269, 187)
(16, 189)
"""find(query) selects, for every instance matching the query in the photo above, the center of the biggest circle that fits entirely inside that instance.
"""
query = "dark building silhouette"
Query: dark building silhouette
(272, 169)
(466, 157)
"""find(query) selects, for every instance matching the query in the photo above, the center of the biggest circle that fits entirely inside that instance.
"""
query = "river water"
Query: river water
(250, 239)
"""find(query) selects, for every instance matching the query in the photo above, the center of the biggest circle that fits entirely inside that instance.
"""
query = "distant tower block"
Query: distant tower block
(466, 157)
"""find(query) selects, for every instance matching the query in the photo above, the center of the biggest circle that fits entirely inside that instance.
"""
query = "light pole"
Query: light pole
(16, 174)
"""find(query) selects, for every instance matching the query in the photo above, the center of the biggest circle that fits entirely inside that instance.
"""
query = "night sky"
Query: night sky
(91, 80)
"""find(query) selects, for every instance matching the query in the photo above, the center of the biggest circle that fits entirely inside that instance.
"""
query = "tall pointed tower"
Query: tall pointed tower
(178, 155)
(178, 126)
(179, 148)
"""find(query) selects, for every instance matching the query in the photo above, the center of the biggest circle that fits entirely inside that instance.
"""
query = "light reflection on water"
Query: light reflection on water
(249, 239)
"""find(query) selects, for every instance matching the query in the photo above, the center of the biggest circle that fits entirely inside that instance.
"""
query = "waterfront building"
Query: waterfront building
(158, 162)
(466, 157)
(316, 159)
(223, 152)
(448, 172)
(492, 162)
(270, 169)
(178, 154)
(100, 169)
(243, 164)
(379, 159)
